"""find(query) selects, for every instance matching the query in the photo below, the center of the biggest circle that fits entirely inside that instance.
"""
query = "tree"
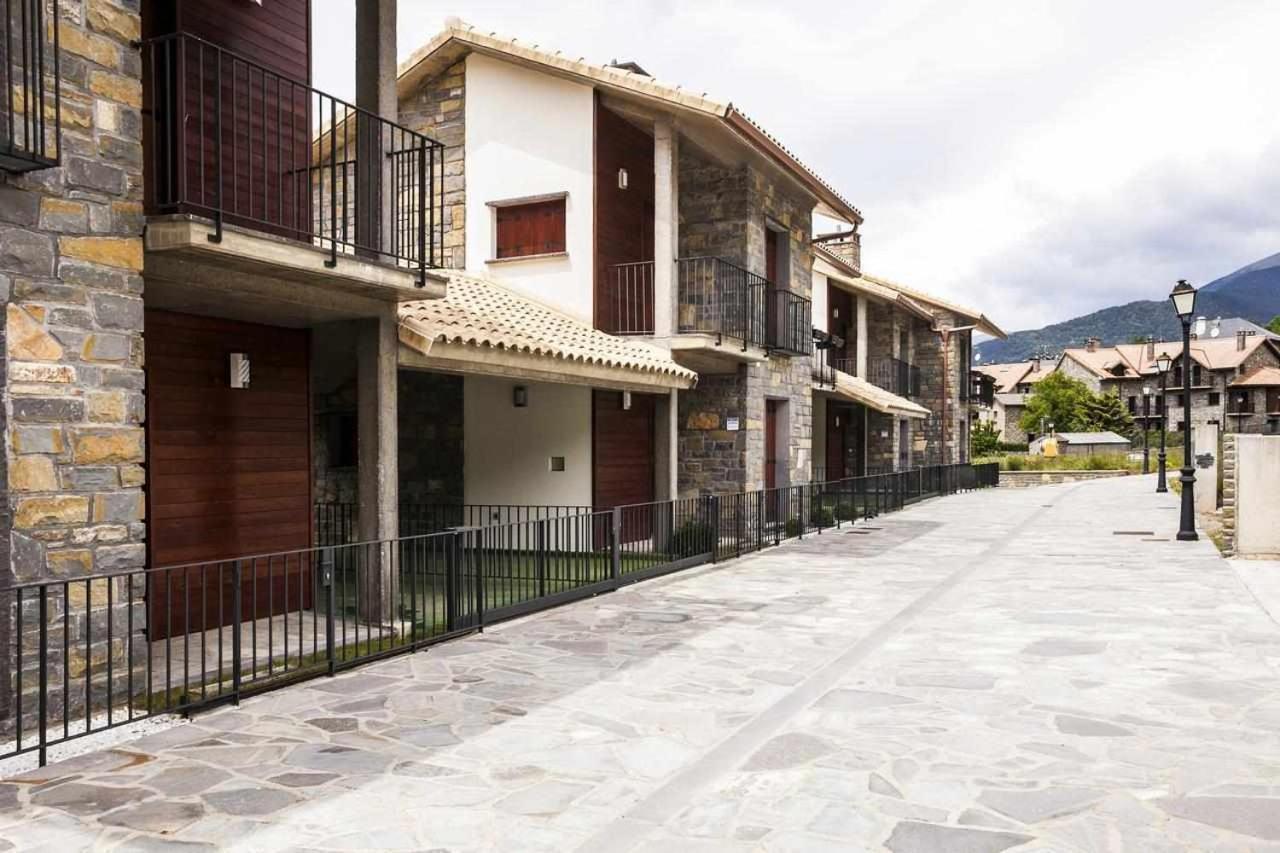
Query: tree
(984, 440)
(1274, 325)
(1057, 399)
(1104, 412)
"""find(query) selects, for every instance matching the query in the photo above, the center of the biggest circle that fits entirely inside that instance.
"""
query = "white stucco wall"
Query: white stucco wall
(507, 450)
(530, 134)
(1257, 495)
(821, 316)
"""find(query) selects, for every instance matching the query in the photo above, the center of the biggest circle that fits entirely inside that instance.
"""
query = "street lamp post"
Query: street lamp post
(1146, 427)
(1162, 367)
(1184, 305)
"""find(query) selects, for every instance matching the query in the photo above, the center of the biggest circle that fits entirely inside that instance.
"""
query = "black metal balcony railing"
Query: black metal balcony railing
(720, 298)
(895, 376)
(826, 357)
(31, 74)
(628, 305)
(228, 138)
(982, 391)
(717, 298)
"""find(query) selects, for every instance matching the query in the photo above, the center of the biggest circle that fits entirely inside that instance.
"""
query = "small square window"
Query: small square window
(557, 463)
(1215, 398)
(535, 228)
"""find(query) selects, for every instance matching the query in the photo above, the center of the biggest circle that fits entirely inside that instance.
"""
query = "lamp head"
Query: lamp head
(1184, 300)
(1164, 363)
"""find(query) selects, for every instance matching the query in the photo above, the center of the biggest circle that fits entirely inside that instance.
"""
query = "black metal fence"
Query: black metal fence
(229, 139)
(628, 304)
(97, 652)
(31, 76)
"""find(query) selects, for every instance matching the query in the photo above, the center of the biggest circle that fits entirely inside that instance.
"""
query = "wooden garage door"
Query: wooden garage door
(229, 471)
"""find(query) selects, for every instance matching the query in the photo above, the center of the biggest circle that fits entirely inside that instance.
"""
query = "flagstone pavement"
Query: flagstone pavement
(1039, 669)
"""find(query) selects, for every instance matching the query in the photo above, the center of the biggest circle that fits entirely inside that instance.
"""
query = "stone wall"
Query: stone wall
(1076, 370)
(1229, 492)
(1024, 479)
(70, 262)
(882, 442)
(714, 204)
(711, 458)
(438, 109)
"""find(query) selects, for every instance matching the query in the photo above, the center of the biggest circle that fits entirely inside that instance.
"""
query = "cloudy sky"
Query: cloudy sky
(1035, 158)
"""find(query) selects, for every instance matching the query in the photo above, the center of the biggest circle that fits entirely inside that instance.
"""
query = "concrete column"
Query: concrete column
(666, 472)
(1204, 440)
(376, 93)
(861, 353)
(378, 468)
(666, 224)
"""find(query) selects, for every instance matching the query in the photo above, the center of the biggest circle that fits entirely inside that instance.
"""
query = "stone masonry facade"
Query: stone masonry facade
(724, 213)
(71, 257)
(438, 109)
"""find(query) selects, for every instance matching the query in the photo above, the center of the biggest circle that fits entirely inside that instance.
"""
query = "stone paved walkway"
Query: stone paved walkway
(985, 672)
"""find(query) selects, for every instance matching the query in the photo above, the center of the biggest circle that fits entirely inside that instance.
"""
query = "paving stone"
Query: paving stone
(545, 798)
(1253, 816)
(1089, 728)
(788, 750)
(911, 837)
(337, 759)
(253, 802)
(861, 700)
(303, 780)
(160, 816)
(1034, 806)
(78, 798)
(184, 781)
(955, 680)
(877, 784)
(1057, 647)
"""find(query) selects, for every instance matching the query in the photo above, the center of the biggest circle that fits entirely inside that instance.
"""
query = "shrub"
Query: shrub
(1014, 447)
(692, 537)
(1015, 463)
(793, 528)
(846, 511)
(823, 517)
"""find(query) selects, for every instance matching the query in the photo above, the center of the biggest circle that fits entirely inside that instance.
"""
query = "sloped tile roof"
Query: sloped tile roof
(482, 314)
(979, 319)
(1263, 377)
(1212, 353)
(861, 391)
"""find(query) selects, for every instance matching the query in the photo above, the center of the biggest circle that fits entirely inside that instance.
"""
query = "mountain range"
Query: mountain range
(1251, 292)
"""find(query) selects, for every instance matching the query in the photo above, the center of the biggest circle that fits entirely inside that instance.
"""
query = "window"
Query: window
(1133, 405)
(530, 228)
(340, 440)
(1195, 375)
(1215, 399)
(1273, 400)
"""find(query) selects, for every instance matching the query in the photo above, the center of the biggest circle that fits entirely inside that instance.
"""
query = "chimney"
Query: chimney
(1241, 336)
(847, 246)
(1035, 364)
(1091, 344)
(1151, 348)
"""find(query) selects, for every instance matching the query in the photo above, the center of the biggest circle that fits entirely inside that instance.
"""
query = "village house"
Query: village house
(1227, 383)
(1013, 382)
(892, 383)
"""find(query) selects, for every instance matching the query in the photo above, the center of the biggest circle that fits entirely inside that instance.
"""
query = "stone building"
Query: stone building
(658, 217)
(1014, 382)
(891, 377)
(1129, 371)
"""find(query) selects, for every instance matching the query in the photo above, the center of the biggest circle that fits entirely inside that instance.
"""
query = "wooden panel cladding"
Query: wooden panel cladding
(837, 418)
(277, 34)
(622, 449)
(229, 470)
(840, 316)
(536, 228)
(247, 88)
(624, 218)
(771, 444)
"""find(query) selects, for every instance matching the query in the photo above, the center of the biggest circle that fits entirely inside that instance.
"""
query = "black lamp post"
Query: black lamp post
(1162, 367)
(1146, 429)
(1184, 305)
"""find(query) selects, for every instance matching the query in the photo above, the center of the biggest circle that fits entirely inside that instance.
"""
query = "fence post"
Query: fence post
(237, 582)
(327, 569)
(615, 543)
(451, 583)
(805, 512)
(540, 557)
(713, 504)
(43, 700)
(468, 558)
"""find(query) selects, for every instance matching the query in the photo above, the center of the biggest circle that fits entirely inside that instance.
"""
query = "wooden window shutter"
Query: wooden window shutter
(531, 229)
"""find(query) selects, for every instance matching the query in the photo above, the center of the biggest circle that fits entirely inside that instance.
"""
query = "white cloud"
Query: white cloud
(1037, 159)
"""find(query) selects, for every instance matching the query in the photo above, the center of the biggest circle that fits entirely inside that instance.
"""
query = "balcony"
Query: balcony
(30, 73)
(264, 174)
(895, 376)
(718, 300)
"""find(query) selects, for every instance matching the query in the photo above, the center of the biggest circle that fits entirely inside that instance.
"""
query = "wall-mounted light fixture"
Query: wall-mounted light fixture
(837, 420)
(626, 401)
(240, 370)
(624, 179)
(520, 397)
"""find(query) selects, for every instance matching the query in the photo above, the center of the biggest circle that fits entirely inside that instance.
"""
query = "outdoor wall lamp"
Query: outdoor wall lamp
(624, 179)
(1163, 363)
(626, 401)
(1183, 298)
(520, 397)
(240, 370)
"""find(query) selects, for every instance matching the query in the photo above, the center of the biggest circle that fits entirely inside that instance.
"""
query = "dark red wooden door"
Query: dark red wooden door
(771, 444)
(837, 447)
(229, 470)
(623, 458)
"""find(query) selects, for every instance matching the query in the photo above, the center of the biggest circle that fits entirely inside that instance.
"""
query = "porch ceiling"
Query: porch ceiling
(484, 328)
(857, 390)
